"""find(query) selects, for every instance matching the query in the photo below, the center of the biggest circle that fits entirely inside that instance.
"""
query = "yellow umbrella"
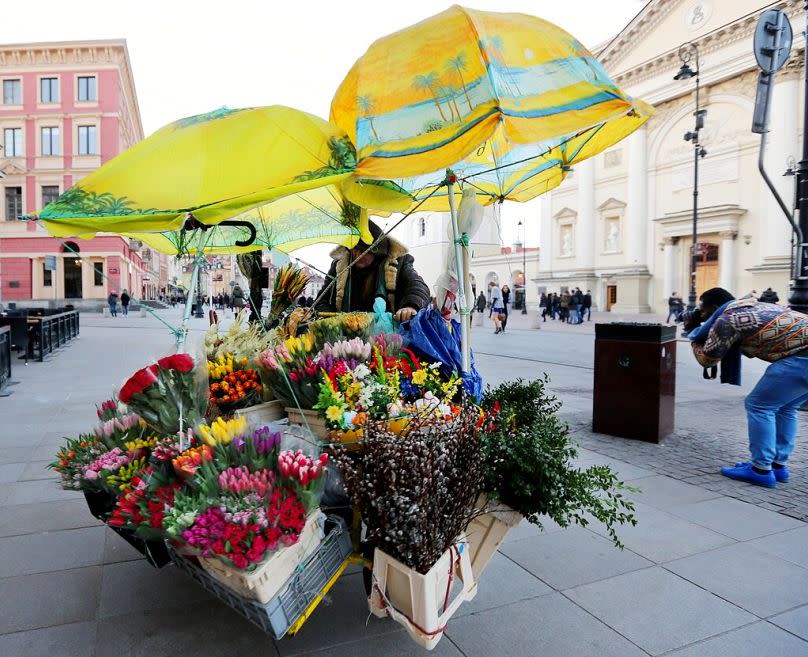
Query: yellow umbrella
(500, 98)
(507, 101)
(216, 167)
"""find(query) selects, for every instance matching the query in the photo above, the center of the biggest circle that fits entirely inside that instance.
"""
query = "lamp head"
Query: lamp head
(685, 73)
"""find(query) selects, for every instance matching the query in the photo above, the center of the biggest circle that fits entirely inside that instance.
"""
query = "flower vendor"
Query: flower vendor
(386, 271)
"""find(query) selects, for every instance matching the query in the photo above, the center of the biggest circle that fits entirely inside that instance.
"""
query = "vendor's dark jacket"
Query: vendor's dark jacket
(391, 274)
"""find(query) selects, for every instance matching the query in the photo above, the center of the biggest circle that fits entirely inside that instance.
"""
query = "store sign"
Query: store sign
(50, 263)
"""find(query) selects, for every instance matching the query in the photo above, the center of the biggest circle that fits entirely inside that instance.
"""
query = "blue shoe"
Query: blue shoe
(780, 474)
(744, 472)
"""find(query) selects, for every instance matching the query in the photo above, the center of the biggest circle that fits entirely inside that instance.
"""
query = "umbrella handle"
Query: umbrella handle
(243, 224)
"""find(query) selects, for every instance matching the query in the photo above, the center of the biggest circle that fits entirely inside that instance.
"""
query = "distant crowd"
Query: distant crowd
(570, 307)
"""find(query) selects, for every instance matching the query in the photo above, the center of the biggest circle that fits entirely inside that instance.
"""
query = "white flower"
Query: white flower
(361, 371)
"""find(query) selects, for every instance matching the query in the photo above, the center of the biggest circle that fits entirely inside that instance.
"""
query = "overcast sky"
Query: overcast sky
(192, 57)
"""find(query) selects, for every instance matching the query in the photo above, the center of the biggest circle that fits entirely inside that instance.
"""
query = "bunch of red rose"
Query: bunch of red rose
(165, 393)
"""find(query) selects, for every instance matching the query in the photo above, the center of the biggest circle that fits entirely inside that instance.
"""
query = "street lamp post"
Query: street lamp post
(524, 272)
(689, 52)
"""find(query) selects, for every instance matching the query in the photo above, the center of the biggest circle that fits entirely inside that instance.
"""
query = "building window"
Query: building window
(422, 227)
(13, 203)
(47, 276)
(98, 274)
(87, 140)
(49, 90)
(611, 242)
(87, 88)
(12, 142)
(566, 245)
(12, 92)
(50, 141)
(49, 194)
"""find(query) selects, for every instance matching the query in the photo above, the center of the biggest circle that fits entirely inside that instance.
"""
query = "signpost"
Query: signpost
(772, 45)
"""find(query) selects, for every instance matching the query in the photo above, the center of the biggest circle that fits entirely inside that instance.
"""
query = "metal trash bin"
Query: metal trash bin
(635, 380)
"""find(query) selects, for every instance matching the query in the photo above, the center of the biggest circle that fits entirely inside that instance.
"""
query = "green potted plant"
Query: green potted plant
(528, 454)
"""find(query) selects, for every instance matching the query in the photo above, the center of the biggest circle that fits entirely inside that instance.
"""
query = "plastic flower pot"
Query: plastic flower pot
(100, 503)
(486, 532)
(422, 604)
(267, 579)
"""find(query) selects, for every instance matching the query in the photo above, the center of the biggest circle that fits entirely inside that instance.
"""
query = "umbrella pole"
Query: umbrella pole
(461, 276)
(182, 334)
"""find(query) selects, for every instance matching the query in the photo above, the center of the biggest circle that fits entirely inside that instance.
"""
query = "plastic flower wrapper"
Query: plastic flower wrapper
(243, 339)
(169, 394)
(292, 371)
(287, 287)
(341, 327)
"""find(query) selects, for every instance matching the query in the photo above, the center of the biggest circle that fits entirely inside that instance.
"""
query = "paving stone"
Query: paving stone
(587, 557)
(117, 549)
(26, 492)
(550, 625)
(660, 536)
(341, 617)
(755, 580)
(739, 520)
(657, 610)
(751, 641)
(37, 470)
(395, 643)
(503, 582)
(59, 641)
(48, 551)
(47, 599)
(11, 471)
(795, 621)
(45, 516)
(791, 545)
(202, 628)
(15, 454)
(135, 586)
(663, 492)
(526, 529)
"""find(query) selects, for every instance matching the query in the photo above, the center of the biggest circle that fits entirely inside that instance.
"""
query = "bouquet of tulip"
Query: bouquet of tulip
(340, 327)
(287, 287)
(233, 384)
(142, 505)
(292, 371)
(74, 457)
(166, 394)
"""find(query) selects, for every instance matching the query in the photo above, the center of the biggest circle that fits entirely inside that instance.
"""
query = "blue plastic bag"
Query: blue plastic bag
(429, 337)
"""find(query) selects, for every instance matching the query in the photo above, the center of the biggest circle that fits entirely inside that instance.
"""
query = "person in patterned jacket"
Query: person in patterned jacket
(772, 333)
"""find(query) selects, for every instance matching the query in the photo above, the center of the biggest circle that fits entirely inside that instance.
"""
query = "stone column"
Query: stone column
(585, 224)
(546, 239)
(636, 233)
(728, 261)
(669, 273)
(783, 141)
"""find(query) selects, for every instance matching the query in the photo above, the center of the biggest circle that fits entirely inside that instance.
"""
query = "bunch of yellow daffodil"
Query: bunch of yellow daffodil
(222, 431)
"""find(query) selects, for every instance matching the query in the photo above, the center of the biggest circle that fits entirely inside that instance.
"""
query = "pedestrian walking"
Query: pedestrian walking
(675, 307)
(576, 299)
(238, 299)
(125, 298)
(506, 299)
(586, 306)
(495, 294)
(481, 303)
(564, 307)
(112, 300)
(722, 329)
(544, 304)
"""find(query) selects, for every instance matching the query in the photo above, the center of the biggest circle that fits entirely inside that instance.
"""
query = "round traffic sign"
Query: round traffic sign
(773, 37)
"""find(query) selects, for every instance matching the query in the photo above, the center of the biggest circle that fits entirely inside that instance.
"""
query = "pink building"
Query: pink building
(66, 108)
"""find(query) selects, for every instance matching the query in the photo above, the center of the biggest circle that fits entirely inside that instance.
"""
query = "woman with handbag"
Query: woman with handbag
(497, 305)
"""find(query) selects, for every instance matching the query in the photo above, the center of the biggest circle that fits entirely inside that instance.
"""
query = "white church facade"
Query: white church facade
(620, 224)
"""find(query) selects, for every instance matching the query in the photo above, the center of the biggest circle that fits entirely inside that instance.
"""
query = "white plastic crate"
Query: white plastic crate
(423, 604)
(265, 581)
(262, 414)
(486, 532)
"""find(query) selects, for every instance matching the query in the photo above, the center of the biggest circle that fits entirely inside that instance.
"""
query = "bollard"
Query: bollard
(105, 311)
